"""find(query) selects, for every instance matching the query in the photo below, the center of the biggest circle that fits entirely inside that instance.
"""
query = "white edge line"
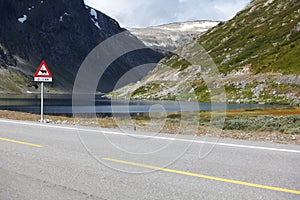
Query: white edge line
(153, 137)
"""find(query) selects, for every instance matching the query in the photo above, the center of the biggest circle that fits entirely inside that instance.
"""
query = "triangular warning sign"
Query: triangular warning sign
(43, 73)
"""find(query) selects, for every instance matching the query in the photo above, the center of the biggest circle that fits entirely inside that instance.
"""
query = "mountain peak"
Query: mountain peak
(171, 36)
(62, 33)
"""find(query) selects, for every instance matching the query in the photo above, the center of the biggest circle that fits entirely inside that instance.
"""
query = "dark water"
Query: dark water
(62, 104)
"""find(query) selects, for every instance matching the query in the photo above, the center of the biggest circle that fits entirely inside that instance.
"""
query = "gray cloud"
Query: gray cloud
(143, 13)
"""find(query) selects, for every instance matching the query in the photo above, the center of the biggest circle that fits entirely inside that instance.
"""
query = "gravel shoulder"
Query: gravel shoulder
(276, 126)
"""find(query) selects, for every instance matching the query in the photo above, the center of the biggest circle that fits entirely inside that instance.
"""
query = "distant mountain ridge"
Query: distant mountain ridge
(257, 54)
(62, 33)
(171, 36)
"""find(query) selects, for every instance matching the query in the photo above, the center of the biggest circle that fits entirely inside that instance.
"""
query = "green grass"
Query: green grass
(13, 82)
(149, 88)
(258, 40)
(175, 62)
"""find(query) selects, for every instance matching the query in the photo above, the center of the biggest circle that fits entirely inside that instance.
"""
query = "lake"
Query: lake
(62, 104)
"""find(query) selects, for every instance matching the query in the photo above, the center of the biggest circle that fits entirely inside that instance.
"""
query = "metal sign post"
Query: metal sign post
(42, 102)
(42, 75)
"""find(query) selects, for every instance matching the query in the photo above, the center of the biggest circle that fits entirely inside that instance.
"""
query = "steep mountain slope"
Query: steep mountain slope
(265, 35)
(257, 53)
(62, 33)
(171, 36)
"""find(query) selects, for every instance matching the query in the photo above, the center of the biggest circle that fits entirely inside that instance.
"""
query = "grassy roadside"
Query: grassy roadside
(277, 125)
(57, 119)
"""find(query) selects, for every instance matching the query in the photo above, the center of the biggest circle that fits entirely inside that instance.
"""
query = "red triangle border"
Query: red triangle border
(43, 76)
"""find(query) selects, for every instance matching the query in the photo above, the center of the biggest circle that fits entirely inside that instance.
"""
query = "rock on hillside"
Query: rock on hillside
(62, 33)
(257, 54)
(171, 36)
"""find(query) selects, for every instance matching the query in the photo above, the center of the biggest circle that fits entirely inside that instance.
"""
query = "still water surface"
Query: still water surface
(62, 104)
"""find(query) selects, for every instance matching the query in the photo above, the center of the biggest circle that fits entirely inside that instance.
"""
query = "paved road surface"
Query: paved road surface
(64, 162)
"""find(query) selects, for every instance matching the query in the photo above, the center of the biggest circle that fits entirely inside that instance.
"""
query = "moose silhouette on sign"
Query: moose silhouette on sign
(43, 71)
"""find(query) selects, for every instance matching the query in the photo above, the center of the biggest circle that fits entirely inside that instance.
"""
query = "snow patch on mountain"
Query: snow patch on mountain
(193, 26)
(171, 36)
(94, 18)
(93, 13)
(22, 19)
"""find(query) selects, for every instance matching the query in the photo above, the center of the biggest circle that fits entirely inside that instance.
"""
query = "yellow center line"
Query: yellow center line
(20, 142)
(204, 176)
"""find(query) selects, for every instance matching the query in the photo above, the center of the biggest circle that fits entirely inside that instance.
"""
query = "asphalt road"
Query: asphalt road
(66, 162)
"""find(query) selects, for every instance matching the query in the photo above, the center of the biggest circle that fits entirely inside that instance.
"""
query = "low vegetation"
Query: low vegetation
(280, 125)
(284, 124)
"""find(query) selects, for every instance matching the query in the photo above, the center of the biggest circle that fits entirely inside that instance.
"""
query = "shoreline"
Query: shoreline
(172, 125)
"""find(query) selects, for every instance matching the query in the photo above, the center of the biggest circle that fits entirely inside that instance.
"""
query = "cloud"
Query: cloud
(137, 13)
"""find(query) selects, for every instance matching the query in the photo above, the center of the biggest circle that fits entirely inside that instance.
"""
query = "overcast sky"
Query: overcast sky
(143, 13)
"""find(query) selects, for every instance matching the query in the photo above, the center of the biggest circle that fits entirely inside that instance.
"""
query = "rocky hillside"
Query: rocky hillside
(171, 36)
(61, 33)
(257, 54)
